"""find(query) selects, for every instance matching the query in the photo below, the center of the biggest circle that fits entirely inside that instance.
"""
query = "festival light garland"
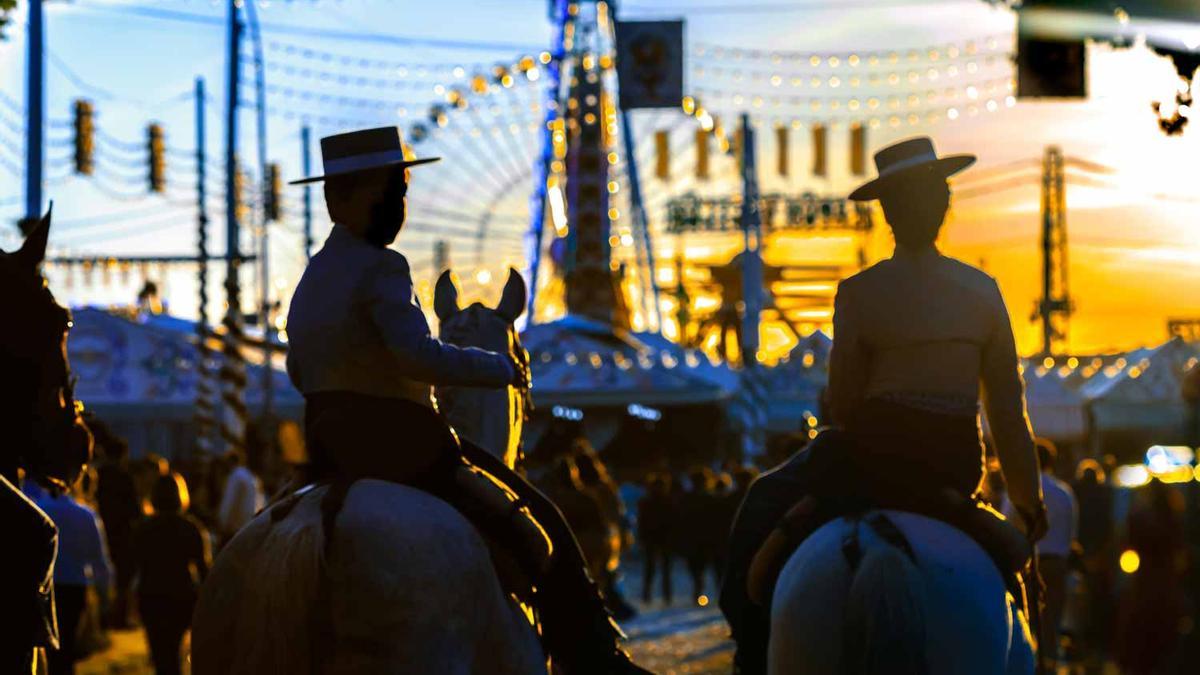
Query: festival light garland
(854, 59)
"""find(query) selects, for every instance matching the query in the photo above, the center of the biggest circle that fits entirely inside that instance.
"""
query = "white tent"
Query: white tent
(1143, 394)
(1055, 407)
(139, 375)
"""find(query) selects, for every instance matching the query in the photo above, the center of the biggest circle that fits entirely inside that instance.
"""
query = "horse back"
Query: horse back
(405, 585)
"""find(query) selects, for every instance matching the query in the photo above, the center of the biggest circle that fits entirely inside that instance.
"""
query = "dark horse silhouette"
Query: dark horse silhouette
(43, 436)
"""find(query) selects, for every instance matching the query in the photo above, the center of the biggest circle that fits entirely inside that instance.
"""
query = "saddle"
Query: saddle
(841, 487)
(353, 436)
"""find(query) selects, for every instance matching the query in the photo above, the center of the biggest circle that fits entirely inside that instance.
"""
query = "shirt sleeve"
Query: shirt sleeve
(1004, 401)
(393, 309)
(97, 552)
(848, 361)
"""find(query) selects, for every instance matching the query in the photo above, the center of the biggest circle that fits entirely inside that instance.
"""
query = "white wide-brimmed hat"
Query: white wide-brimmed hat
(363, 150)
(907, 155)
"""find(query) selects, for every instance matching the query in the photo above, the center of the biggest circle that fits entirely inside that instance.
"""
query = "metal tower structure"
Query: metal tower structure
(1053, 309)
(592, 288)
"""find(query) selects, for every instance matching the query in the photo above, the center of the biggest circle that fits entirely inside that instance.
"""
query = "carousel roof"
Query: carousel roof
(580, 362)
(147, 362)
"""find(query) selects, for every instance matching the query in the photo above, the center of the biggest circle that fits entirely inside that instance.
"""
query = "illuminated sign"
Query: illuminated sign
(807, 211)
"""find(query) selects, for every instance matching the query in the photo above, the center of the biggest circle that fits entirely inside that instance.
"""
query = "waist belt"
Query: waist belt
(945, 450)
(363, 436)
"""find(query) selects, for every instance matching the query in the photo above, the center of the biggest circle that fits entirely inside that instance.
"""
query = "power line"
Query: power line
(304, 31)
(778, 8)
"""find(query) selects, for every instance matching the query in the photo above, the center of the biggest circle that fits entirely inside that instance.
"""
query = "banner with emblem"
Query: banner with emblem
(650, 63)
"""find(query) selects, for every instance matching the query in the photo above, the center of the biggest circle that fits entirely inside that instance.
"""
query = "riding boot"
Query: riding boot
(577, 630)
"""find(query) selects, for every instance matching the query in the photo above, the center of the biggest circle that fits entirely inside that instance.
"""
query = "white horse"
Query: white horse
(856, 598)
(406, 585)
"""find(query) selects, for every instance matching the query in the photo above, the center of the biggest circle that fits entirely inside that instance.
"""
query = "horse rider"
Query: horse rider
(361, 353)
(917, 338)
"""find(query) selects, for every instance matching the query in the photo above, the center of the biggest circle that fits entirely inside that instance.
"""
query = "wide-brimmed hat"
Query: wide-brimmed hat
(363, 150)
(905, 156)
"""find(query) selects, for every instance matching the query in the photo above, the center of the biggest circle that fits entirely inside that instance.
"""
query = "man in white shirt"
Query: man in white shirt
(361, 352)
(1054, 549)
(83, 561)
(241, 499)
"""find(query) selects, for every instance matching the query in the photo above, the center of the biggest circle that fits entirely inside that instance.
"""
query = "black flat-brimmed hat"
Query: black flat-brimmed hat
(905, 156)
(363, 150)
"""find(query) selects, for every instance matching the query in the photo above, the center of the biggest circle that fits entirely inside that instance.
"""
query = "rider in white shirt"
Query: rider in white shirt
(361, 352)
(919, 340)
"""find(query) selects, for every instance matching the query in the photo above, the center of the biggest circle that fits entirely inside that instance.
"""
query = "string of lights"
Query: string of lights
(856, 59)
(399, 68)
(897, 78)
(971, 92)
(331, 78)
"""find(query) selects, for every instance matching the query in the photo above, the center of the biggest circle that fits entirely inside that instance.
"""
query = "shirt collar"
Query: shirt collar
(916, 254)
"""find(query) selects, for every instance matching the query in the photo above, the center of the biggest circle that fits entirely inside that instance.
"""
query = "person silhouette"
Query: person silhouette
(917, 338)
(362, 354)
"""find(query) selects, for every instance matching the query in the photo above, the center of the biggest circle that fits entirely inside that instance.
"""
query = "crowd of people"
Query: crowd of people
(1097, 608)
(135, 541)
(137, 535)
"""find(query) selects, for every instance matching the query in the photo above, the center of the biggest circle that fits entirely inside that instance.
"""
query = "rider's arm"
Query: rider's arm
(1004, 400)
(848, 362)
(388, 295)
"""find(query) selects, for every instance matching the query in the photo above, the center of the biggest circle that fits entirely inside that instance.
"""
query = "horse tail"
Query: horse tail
(284, 615)
(885, 612)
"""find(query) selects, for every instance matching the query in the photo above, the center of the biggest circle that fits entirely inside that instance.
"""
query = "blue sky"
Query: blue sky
(138, 68)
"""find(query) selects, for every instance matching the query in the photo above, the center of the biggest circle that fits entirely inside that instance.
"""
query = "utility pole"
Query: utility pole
(751, 222)
(306, 164)
(35, 112)
(264, 243)
(205, 416)
(640, 222)
(1054, 307)
(752, 386)
(441, 257)
(233, 365)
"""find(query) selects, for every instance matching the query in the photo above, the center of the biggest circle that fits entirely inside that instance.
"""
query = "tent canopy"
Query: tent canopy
(579, 362)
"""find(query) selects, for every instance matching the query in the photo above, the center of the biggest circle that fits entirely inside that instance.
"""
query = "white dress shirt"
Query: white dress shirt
(82, 554)
(355, 325)
(241, 500)
(1062, 514)
(933, 332)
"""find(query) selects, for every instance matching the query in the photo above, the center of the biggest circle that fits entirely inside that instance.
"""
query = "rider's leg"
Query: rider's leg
(577, 628)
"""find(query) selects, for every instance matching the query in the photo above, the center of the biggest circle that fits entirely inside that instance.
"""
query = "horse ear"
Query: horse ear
(445, 297)
(33, 251)
(512, 302)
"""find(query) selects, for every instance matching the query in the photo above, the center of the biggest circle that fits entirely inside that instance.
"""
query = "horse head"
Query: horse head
(492, 419)
(47, 438)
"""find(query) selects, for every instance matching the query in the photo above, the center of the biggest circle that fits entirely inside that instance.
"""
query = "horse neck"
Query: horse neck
(489, 418)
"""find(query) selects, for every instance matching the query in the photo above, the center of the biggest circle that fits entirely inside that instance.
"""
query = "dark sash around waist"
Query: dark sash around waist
(917, 449)
(360, 435)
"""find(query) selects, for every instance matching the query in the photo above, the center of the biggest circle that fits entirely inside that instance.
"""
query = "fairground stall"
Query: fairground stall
(1112, 404)
(641, 401)
(138, 372)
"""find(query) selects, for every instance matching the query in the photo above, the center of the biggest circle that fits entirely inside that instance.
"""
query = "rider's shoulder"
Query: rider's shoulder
(863, 278)
(390, 261)
(970, 276)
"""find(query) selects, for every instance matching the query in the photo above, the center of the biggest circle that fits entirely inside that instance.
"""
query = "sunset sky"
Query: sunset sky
(1135, 258)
